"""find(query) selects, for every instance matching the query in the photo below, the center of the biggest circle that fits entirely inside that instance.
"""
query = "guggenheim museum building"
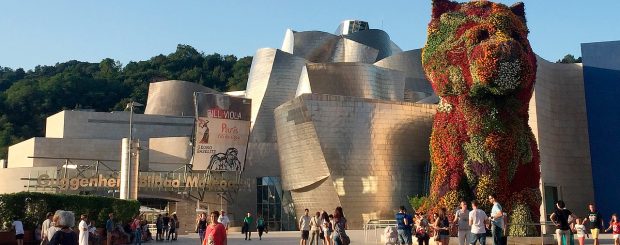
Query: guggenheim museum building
(337, 119)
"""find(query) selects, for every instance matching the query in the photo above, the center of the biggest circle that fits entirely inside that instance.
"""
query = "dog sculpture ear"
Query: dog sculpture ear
(443, 6)
(519, 10)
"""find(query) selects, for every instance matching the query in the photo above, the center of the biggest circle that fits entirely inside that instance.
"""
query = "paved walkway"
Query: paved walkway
(292, 238)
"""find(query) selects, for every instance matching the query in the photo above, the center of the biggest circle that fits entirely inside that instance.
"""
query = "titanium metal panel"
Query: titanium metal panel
(353, 79)
(375, 152)
(273, 80)
(314, 46)
(173, 98)
(351, 51)
(409, 62)
(374, 38)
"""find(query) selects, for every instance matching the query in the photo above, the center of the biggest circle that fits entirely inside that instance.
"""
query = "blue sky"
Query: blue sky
(45, 32)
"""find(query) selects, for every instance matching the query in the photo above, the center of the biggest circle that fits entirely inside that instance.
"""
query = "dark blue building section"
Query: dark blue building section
(601, 73)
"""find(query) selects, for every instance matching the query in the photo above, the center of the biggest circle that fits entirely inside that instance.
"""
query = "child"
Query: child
(614, 225)
(580, 228)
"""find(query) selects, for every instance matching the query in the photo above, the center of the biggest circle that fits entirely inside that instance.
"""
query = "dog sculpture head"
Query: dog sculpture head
(479, 48)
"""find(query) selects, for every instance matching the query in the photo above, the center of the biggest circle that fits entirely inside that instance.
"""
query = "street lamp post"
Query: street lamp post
(128, 170)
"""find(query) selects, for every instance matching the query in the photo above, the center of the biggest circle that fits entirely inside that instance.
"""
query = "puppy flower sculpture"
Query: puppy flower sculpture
(480, 63)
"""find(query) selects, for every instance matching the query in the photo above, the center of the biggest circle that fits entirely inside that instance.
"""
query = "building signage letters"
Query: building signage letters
(145, 180)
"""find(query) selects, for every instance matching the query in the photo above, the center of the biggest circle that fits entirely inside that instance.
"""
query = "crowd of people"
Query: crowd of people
(59, 228)
(330, 228)
(473, 225)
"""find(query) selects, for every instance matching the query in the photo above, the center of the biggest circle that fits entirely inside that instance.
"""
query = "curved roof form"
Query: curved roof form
(409, 62)
(173, 98)
(352, 79)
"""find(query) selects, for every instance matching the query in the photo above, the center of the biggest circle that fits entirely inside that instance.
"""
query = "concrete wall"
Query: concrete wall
(32, 153)
(559, 123)
(601, 63)
(115, 125)
(365, 155)
(19, 153)
(12, 178)
(170, 153)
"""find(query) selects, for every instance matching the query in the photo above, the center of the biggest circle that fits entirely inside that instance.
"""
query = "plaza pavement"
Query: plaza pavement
(292, 238)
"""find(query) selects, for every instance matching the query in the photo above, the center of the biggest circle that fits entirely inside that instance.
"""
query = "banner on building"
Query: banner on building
(222, 132)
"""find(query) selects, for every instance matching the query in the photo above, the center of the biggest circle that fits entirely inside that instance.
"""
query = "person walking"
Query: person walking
(315, 228)
(304, 227)
(580, 229)
(223, 219)
(461, 220)
(340, 228)
(137, 230)
(327, 228)
(247, 226)
(65, 235)
(560, 217)
(260, 226)
(18, 226)
(497, 221)
(166, 229)
(201, 226)
(159, 228)
(47, 223)
(596, 222)
(614, 226)
(109, 228)
(422, 228)
(215, 233)
(83, 227)
(478, 221)
(442, 225)
(174, 224)
(403, 226)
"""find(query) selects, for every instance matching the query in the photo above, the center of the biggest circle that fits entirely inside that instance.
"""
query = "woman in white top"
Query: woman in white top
(580, 228)
(326, 226)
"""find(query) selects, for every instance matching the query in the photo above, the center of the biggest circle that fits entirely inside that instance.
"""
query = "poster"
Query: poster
(222, 132)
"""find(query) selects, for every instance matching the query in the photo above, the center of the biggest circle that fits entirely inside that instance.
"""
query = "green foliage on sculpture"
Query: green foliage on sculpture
(480, 63)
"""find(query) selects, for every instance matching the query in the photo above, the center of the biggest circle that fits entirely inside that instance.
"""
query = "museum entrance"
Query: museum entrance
(274, 204)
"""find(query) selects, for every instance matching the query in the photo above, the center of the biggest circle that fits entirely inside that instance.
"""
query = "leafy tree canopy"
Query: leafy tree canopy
(28, 97)
(569, 58)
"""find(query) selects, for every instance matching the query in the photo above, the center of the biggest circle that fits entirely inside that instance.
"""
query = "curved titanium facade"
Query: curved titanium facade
(559, 123)
(365, 155)
(353, 79)
(319, 144)
(173, 98)
(409, 62)
(273, 80)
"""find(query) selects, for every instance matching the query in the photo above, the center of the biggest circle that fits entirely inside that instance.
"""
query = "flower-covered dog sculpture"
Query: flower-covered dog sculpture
(480, 63)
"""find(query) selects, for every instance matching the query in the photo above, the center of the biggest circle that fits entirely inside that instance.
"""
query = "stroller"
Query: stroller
(390, 235)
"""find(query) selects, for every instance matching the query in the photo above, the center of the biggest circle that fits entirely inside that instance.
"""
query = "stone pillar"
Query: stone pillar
(130, 166)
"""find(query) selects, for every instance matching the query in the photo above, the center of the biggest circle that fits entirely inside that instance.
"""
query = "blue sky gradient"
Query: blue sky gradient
(46, 32)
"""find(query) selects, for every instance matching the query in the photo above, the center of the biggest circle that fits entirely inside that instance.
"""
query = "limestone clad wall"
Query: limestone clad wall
(559, 123)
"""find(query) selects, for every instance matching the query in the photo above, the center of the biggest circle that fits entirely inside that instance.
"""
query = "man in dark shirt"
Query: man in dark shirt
(560, 218)
(596, 222)
(109, 227)
(166, 220)
(159, 225)
(404, 226)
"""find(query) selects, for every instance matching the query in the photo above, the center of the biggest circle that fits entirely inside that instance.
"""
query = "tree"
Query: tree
(28, 97)
(569, 58)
